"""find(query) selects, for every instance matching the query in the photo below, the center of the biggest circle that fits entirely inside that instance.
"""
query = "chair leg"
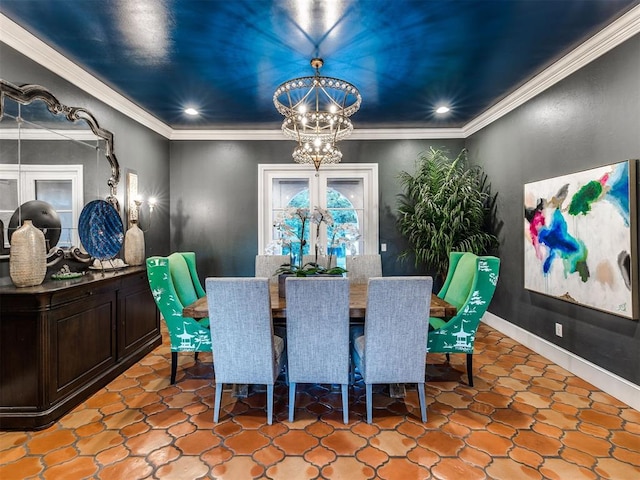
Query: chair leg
(292, 399)
(423, 402)
(269, 404)
(196, 357)
(369, 396)
(216, 407)
(470, 368)
(345, 403)
(174, 366)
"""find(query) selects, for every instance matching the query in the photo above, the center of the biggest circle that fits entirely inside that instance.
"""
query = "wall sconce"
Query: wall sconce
(136, 208)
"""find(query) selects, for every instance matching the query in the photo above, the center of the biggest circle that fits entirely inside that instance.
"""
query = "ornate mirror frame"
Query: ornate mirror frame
(28, 93)
(25, 95)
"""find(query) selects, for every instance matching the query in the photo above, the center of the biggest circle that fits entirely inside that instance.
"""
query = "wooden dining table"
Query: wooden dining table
(357, 305)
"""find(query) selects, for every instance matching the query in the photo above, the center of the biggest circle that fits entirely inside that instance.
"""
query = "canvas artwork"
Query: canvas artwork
(580, 232)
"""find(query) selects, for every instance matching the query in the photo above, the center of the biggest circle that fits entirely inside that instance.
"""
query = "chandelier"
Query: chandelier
(316, 114)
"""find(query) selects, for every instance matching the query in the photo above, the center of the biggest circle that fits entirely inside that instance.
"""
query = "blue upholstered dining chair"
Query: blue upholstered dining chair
(360, 268)
(318, 335)
(266, 266)
(175, 284)
(321, 259)
(393, 347)
(469, 286)
(245, 349)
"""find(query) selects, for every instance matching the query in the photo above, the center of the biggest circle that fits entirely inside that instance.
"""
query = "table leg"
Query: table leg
(397, 390)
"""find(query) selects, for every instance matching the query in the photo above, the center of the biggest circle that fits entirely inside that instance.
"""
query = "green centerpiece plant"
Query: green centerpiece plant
(446, 206)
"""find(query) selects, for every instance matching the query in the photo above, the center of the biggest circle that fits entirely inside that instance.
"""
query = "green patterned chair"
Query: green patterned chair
(175, 284)
(470, 284)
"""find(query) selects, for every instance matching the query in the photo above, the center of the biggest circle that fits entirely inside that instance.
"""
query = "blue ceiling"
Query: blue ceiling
(226, 58)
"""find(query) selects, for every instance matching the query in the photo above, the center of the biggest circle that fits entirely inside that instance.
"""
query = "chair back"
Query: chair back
(266, 266)
(457, 335)
(460, 276)
(322, 260)
(360, 268)
(174, 284)
(318, 329)
(182, 266)
(396, 329)
(241, 330)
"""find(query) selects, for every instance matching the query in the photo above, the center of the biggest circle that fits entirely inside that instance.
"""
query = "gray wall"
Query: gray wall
(135, 146)
(214, 196)
(590, 119)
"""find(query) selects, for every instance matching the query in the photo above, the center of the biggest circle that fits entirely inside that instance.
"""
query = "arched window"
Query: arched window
(342, 234)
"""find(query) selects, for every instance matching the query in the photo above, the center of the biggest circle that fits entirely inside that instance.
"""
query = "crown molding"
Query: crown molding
(605, 40)
(227, 135)
(358, 134)
(608, 38)
(38, 134)
(24, 42)
(405, 133)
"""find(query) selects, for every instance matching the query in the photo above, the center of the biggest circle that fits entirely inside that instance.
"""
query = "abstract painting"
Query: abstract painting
(581, 238)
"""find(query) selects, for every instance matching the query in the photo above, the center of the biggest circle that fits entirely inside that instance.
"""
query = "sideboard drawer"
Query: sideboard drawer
(78, 293)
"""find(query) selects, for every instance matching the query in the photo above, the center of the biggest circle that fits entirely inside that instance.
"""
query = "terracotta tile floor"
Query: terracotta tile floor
(526, 418)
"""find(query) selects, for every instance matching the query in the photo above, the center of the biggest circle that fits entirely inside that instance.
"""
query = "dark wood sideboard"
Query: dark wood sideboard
(62, 341)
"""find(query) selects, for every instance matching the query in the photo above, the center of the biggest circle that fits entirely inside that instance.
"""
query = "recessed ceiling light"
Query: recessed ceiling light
(442, 109)
(191, 111)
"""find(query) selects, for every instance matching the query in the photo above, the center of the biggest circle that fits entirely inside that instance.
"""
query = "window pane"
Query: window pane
(8, 194)
(288, 193)
(66, 236)
(58, 193)
(285, 189)
(345, 199)
(8, 202)
(344, 235)
(351, 189)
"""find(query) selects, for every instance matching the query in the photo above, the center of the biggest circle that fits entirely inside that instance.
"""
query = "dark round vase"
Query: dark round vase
(42, 215)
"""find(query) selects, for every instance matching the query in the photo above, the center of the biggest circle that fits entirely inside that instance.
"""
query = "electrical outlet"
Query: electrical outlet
(383, 247)
(559, 329)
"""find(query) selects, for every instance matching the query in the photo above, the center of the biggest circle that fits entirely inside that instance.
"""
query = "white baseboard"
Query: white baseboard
(608, 382)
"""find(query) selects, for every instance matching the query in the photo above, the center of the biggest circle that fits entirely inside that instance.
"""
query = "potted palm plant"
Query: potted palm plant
(446, 206)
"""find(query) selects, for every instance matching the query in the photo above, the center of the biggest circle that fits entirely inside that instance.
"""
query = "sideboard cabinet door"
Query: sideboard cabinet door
(138, 315)
(82, 342)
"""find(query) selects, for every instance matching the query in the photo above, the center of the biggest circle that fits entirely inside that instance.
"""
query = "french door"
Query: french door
(349, 192)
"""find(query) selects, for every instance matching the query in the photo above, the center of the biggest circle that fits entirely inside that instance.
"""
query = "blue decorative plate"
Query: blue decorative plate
(100, 229)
